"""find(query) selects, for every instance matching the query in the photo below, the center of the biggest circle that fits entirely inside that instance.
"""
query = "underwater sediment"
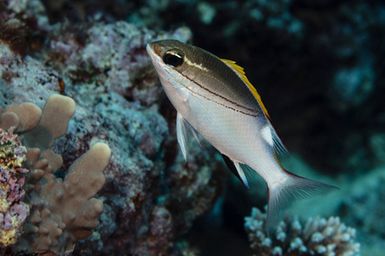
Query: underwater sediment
(321, 60)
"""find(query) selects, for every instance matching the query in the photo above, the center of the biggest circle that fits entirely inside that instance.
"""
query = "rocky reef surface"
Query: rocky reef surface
(320, 65)
(104, 68)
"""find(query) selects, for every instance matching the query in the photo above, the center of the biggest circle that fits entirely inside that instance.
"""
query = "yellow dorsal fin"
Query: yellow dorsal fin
(241, 73)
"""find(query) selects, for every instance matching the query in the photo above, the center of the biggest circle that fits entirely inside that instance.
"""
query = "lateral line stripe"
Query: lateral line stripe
(207, 98)
(220, 96)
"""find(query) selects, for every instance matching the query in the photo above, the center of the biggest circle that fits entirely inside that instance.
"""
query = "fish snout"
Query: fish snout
(154, 49)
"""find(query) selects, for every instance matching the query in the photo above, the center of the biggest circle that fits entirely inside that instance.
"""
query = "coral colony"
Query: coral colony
(316, 236)
(104, 176)
(59, 212)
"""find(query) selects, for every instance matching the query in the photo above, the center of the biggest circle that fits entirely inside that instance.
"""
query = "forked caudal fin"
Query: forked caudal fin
(293, 187)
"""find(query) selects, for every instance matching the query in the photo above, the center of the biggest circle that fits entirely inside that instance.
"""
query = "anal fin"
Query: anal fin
(236, 169)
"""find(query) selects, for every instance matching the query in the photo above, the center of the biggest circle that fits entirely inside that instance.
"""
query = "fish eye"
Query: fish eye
(173, 58)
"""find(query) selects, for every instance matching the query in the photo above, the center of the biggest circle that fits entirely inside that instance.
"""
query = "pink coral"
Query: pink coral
(13, 211)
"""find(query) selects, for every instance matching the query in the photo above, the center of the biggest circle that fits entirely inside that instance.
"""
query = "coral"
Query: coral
(112, 57)
(315, 236)
(13, 211)
(149, 190)
(330, 52)
(317, 64)
(62, 211)
(23, 25)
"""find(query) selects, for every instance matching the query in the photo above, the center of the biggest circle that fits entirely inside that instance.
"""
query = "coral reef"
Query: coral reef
(359, 204)
(13, 211)
(315, 236)
(326, 55)
(317, 64)
(149, 192)
(62, 211)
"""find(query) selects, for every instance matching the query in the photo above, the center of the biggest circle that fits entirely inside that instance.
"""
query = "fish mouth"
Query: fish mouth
(149, 49)
(153, 50)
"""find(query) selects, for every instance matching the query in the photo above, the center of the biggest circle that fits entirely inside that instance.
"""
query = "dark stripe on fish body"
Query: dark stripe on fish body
(219, 79)
(254, 113)
(211, 74)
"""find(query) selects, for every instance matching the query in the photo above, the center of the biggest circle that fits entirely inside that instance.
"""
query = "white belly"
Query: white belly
(234, 134)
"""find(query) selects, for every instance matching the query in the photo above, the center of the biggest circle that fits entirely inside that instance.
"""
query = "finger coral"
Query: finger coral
(149, 190)
(13, 211)
(316, 236)
(62, 210)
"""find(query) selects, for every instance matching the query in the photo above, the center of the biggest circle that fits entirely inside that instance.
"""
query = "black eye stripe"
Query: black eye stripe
(173, 58)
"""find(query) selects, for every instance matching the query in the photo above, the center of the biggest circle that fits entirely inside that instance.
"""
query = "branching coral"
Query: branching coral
(62, 211)
(318, 236)
(13, 211)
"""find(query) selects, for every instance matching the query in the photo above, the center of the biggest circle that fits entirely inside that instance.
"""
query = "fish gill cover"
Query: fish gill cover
(318, 66)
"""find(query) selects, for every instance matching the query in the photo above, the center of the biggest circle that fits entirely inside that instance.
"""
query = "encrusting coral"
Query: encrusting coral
(62, 211)
(13, 211)
(316, 236)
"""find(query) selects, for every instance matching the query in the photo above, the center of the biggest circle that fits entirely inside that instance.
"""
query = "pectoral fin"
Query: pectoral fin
(270, 136)
(236, 169)
(182, 130)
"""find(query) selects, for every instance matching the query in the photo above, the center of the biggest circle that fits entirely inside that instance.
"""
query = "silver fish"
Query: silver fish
(213, 97)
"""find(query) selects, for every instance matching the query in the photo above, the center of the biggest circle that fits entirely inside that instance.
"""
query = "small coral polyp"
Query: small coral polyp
(13, 211)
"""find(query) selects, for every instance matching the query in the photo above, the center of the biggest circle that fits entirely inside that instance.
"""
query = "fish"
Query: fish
(214, 98)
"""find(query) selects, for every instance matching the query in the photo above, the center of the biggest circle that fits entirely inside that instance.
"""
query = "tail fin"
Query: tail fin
(294, 187)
